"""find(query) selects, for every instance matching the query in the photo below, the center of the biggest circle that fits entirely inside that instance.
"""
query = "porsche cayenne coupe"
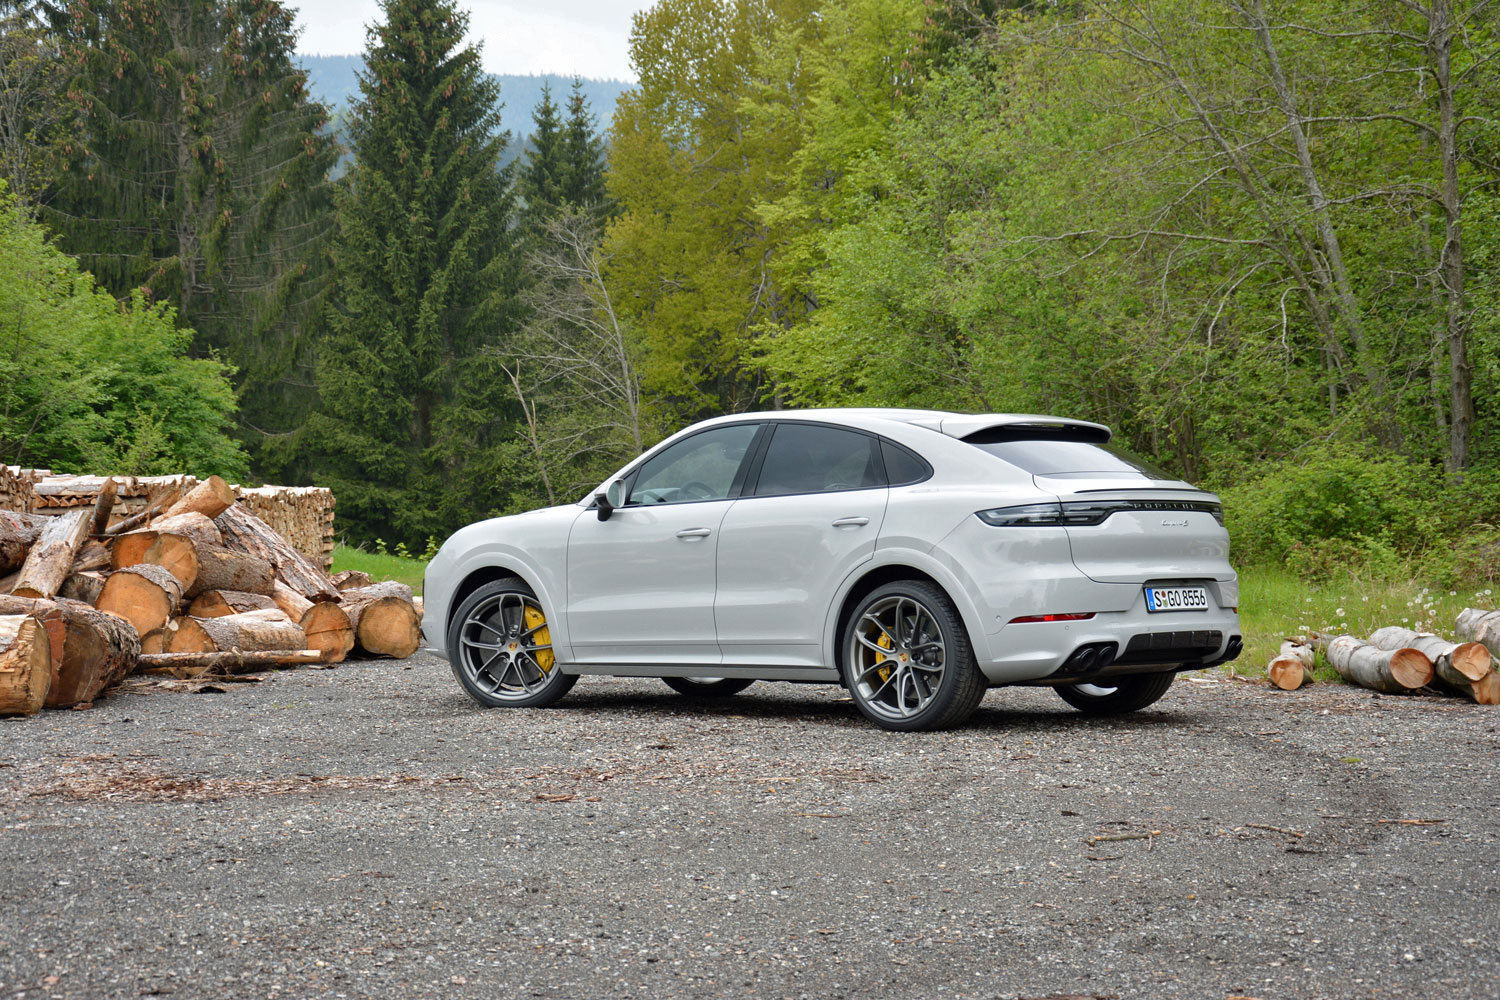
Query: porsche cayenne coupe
(915, 557)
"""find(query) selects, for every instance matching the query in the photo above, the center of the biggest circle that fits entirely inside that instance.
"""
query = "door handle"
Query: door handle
(695, 532)
(851, 522)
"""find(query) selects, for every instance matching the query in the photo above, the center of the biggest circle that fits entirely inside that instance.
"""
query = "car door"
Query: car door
(641, 584)
(811, 513)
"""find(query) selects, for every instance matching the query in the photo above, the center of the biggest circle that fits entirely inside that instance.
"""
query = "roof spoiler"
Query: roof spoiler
(993, 428)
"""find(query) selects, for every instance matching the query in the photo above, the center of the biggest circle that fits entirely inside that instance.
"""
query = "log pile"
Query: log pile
(172, 576)
(1396, 660)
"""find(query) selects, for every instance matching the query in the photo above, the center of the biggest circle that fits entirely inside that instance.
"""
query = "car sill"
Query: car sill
(825, 674)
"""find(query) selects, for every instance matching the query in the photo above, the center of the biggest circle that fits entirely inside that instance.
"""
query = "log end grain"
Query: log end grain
(1288, 673)
(1411, 668)
(146, 596)
(25, 665)
(328, 629)
(1472, 660)
(389, 626)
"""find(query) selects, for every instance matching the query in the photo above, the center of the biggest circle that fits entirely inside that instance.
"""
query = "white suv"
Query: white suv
(916, 557)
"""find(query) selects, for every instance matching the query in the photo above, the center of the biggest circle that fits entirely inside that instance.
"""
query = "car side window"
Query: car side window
(701, 467)
(901, 466)
(810, 458)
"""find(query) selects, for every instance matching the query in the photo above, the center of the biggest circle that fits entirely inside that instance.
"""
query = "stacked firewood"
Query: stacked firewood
(1397, 660)
(192, 583)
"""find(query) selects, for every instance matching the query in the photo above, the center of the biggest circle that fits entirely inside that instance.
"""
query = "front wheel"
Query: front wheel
(501, 648)
(908, 664)
(1117, 695)
(707, 687)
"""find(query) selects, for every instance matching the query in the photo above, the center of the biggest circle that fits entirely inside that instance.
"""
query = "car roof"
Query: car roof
(952, 424)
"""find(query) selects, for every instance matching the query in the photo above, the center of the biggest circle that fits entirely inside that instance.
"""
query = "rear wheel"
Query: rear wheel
(707, 687)
(501, 648)
(1118, 695)
(907, 659)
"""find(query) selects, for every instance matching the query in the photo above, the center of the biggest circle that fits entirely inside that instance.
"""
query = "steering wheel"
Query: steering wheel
(695, 490)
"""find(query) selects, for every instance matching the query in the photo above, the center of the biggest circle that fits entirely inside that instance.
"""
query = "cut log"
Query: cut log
(231, 662)
(104, 505)
(145, 595)
(152, 510)
(288, 600)
(385, 622)
(1291, 668)
(176, 543)
(218, 603)
(328, 628)
(51, 558)
(245, 532)
(18, 533)
(351, 578)
(25, 663)
(1476, 625)
(246, 633)
(1465, 668)
(92, 650)
(84, 587)
(1393, 671)
(210, 498)
(229, 569)
(92, 557)
(154, 641)
(51, 616)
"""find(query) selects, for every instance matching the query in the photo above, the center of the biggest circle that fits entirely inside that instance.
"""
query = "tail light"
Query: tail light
(1087, 512)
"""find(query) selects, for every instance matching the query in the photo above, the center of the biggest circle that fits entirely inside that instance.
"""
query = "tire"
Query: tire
(1129, 693)
(510, 672)
(707, 687)
(936, 683)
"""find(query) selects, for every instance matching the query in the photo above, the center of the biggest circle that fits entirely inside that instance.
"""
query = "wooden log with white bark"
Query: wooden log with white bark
(244, 632)
(1291, 668)
(1462, 667)
(210, 498)
(91, 650)
(218, 603)
(51, 557)
(245, 532)
(1393, 671)
(145, 595)
(25, 664)
(384, 621)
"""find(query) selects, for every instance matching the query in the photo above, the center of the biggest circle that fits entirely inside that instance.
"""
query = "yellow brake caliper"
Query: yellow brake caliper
(541, 637)
(885, 672)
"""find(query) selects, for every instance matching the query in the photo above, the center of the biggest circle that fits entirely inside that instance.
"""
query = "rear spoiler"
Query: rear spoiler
(993, 428)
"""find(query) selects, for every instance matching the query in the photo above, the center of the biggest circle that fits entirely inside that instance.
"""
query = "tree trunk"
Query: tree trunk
(231, 662)
(104, 505)
(244, 633)
(1462, 667)
(51, 558)
(351, 578)
(145, 595)
(18, 533)
(210, 498)
(228, 569)
(384, 621)
(329, 629)
(245, 532)
(288, 600)
(91, 650)
(25, 663)
(175, 543)
(218, 603)
(1393, 671)
(1291, 668)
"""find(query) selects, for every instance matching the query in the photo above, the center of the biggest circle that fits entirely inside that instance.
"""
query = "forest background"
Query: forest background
(1259, 239)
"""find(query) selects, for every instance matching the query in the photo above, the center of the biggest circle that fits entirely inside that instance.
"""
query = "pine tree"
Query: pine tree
(199, 173)
(583, 178)
(424, 277)
(542, 179)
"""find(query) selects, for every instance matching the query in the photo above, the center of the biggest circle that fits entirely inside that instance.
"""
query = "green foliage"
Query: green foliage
(93, 386)
(382, 565)
(414, 411)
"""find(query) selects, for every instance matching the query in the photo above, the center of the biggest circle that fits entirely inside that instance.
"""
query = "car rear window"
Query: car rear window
(1072, 458)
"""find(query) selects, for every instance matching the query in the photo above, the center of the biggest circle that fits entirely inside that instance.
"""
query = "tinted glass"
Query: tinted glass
(1072, 458)
(805, 458)
(901, 466)
(699, 468)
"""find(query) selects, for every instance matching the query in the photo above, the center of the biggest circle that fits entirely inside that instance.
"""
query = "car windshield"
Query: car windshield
(1077, 459)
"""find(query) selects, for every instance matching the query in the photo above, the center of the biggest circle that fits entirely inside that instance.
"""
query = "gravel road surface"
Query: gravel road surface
(367, 831)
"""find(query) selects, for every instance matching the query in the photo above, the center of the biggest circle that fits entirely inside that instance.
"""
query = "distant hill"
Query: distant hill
(332, 80)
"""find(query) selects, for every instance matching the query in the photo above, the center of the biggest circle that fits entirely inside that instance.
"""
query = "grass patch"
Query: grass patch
(380, 567)
(1275, 604)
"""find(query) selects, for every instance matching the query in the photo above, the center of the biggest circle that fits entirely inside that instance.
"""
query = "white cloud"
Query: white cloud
(563, 37)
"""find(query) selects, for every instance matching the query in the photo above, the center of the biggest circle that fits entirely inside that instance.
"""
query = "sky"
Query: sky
(561, 37)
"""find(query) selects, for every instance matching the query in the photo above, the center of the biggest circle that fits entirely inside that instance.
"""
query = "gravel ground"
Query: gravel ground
(368, 832)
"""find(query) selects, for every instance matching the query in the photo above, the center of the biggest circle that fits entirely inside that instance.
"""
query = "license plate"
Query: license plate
(1160, 599)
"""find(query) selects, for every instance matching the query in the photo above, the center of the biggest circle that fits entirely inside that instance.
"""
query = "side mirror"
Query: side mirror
(610, 499)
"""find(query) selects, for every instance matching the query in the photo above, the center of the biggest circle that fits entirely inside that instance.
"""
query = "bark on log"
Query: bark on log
(247, 533)
(92, 557)
(1393, 671)
(104, 505)
(176, 543)
(1476, 625)
(84, 587)
(329, 629)
(25, 664)
(385, 622)
(92, 650)
(1291, 668)
(51, 558)
(1465, 668)
(288, 600)
(210, 498)
(145, 595)
(229, 569)
(231, 662)
(246, 633)
(154, 508)
(218, 603)
(351, 578)
(18, 533)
